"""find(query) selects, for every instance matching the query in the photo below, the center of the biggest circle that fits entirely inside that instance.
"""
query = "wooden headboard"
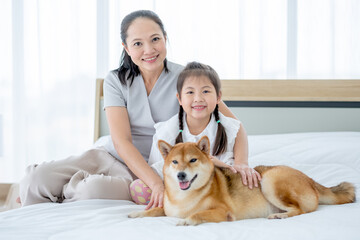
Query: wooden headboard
(279, 106)
(99, 112)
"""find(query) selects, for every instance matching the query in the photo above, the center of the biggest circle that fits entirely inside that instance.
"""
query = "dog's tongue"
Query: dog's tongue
(184, 185)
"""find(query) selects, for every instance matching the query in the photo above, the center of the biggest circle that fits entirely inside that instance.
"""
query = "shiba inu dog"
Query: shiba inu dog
(199, 192)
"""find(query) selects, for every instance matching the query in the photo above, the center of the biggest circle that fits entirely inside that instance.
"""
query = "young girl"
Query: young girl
(198, 93)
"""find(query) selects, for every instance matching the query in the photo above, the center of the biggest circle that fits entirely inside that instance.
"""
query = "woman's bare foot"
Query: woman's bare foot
(18, 200)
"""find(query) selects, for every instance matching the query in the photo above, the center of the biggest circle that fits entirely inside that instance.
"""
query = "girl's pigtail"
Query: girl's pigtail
(179, 138)
(221, 138)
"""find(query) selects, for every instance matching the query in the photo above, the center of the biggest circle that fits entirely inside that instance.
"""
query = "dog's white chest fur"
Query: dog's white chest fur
(184, 210)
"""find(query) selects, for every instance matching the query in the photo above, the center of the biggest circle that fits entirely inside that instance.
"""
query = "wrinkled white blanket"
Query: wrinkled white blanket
(328, 158)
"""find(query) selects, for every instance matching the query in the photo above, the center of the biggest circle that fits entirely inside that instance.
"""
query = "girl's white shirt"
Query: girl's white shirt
(169, 130)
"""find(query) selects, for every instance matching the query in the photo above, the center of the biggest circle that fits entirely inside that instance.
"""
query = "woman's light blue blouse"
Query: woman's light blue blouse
(143, 110)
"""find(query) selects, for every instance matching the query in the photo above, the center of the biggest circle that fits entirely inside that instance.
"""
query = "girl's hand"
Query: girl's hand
(249, 176)
(157, 196)
(219, 163)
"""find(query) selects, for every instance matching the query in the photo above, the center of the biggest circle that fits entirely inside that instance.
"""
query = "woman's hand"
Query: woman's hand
(249, 176)
(157, 196)
(219, 163)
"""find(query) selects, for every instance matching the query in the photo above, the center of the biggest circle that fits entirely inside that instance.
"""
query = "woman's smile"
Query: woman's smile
(150, 59)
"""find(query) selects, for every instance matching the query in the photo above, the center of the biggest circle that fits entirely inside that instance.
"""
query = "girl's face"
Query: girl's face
(146, 45)
(198, 98)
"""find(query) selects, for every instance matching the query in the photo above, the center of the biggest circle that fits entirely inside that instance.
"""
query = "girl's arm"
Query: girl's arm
(219, 163)
(249, 176)
(119, 126)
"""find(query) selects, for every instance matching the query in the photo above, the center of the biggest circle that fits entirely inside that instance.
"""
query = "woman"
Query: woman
(140, 93)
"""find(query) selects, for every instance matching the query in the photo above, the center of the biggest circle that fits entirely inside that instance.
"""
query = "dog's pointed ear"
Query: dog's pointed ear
(204, 144)
(164, 148)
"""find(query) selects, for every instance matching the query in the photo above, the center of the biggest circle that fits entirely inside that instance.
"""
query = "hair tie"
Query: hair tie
(180, 131)
(218, 121)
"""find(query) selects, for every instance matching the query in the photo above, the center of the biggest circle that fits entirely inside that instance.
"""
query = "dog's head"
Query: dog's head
(187, 165)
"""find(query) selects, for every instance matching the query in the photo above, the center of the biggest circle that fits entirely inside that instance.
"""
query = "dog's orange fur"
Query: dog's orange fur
(217, 194)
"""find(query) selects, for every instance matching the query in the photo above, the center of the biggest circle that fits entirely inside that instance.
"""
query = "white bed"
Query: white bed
(329, 158)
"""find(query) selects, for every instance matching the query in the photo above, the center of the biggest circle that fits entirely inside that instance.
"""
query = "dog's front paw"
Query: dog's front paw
(278, 216)
(186, 222)
(138, 214)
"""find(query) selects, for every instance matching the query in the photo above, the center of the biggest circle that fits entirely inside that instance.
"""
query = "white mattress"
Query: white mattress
(328, 158)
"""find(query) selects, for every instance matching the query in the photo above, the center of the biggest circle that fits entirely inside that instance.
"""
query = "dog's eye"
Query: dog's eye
(193, 160)
(175, 162)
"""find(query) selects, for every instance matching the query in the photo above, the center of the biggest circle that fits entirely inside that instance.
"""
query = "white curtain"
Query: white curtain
(255, 39)
(47, 77)
(52, 52)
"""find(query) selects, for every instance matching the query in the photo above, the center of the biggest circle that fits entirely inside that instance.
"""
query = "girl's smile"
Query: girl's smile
(199, 107)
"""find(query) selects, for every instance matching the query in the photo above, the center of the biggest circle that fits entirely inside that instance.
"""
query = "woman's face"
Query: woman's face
(146, 45)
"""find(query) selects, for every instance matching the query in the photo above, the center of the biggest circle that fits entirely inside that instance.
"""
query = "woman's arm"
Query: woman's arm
(119, 126)
(225, 110)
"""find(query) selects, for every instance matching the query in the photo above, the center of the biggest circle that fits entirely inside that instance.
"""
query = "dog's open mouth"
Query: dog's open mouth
(186, 184)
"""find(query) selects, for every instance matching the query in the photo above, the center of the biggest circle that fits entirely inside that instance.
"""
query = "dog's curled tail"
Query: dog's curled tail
(340, 194)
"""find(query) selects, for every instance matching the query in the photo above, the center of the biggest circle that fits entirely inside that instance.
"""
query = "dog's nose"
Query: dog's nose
(181, 176)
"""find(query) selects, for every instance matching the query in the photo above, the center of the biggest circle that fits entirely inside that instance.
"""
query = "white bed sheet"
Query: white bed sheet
(328, 158)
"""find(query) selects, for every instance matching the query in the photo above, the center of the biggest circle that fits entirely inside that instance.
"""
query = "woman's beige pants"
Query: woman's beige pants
(93, 175)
